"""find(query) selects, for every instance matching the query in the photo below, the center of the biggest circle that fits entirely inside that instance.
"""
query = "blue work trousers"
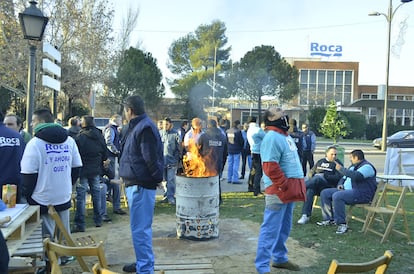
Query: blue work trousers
(141, 203)
(274, 232)
(233, 163)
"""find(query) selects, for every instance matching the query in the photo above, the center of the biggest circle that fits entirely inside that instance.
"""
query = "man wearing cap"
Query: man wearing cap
(284, 184)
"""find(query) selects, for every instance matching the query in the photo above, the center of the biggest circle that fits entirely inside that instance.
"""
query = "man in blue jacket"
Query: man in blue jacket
(357, 186)
(141, 169)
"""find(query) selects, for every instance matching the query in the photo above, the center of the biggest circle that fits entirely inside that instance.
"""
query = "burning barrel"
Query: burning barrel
(197, 207)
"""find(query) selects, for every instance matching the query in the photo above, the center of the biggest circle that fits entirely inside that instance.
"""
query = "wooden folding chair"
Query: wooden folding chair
(391, 207)
(315, 202)
(62, 236)
(54, 251)
(97, 269)
(349, 216)
(380, 265)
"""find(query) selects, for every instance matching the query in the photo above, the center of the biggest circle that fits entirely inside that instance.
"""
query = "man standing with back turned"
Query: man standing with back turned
(141, 168)
(50, 165)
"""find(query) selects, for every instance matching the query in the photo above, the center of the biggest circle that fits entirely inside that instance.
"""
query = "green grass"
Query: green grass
(353, 246)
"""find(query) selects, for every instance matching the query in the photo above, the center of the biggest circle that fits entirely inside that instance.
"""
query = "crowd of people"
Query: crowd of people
(56, 161)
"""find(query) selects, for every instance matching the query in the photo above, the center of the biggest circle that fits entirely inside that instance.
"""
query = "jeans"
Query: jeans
(333, 203)
(274, 232)
(48, 224)
(104, 190)
(141, 203)
(233, 162)
(170, 172)
(116, 194)
(81, 189)
(314, 186)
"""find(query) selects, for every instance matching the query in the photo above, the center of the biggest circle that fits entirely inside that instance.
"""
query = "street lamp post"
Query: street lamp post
(389, 16)
(33, 24)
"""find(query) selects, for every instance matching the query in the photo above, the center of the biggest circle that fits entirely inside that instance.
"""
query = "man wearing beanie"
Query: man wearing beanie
(284, 185)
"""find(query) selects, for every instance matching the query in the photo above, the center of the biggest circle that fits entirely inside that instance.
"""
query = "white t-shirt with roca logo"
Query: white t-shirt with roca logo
(53, 164)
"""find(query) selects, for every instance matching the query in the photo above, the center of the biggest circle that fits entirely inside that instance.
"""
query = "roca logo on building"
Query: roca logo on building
(322, 50)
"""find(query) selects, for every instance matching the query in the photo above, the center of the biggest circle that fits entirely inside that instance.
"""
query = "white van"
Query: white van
(101, 122)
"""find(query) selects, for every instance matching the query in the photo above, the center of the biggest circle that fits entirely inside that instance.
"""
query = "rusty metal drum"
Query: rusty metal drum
(197, 207)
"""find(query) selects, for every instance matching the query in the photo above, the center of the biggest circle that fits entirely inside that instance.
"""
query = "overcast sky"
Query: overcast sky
(289, 26)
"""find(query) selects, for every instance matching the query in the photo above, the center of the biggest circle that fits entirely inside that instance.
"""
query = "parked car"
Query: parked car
(101, 122)
(404, 138)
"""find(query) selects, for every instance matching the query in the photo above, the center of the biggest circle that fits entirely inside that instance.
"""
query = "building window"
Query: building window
(320, 87)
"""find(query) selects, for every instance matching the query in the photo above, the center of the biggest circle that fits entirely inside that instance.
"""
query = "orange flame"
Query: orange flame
(196, 165)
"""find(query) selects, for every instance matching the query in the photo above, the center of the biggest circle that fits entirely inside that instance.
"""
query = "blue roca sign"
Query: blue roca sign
(325, 50)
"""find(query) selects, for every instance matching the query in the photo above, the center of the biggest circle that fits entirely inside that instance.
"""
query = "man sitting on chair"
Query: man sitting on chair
(357, 186)
(322, 175)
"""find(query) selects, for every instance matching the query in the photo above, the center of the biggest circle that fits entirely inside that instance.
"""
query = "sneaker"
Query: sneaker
(304, 219)
(77, 229)
(326, 223)
(130, 268)
(163, 201)
(106, 219)
(119, 211)
(287, 265)
(259, 195)
(342, 228)
(64, 260)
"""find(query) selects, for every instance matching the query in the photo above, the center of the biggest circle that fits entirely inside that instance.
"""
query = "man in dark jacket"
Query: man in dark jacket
(141, 169)
(93, 151)
(213, 149)
(322, 175)
(49, 166)
(11, 151)
(235, 146)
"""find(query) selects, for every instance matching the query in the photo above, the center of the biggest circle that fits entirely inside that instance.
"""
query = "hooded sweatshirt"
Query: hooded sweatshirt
(46, 167)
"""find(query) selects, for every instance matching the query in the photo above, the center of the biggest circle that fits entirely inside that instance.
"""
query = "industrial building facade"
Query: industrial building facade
(323, 81)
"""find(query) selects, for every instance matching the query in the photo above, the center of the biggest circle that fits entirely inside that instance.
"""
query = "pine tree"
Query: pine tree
(333, 125)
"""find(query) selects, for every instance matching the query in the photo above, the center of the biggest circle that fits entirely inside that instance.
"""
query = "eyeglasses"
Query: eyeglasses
(9, 124)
